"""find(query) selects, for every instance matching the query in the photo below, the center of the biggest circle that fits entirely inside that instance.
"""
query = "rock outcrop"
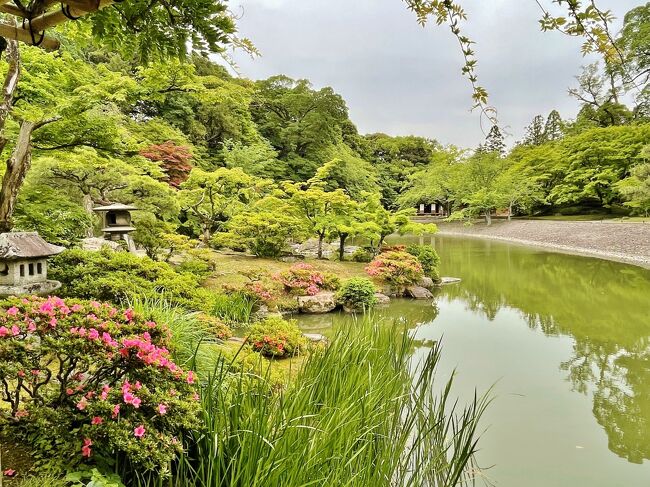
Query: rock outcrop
(418, 292)
(323, 302)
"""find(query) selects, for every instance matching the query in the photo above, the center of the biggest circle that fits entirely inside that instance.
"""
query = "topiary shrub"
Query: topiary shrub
(362, 255)
(357, 293)
(304, 279)
(214, 326)
(88, 383)
(428, 258)
(275, 337)
(397, 268)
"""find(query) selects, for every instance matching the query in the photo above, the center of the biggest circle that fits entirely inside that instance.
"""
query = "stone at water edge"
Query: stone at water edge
(315, 337)
(382, 299)
(418, 292)
(426, 282)
(449, 280)
(323, 302)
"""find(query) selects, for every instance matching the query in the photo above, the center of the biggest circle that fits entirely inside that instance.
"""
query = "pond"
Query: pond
(565, 342)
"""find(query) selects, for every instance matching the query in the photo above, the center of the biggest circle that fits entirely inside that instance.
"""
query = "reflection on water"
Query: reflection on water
(566, 339)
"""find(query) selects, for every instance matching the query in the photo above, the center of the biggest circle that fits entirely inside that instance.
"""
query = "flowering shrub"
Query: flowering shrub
(357, 293)
(396, 268)
(215, 326)
(275, 337)
(91, 382)
(305, 279)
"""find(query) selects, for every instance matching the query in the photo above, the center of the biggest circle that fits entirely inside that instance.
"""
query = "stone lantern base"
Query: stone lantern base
(44, 288)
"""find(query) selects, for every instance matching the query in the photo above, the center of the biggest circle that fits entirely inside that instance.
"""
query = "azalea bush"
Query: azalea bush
(357, 293)
(275, 337)
(86, 382)
(304, 279)
(396, 268)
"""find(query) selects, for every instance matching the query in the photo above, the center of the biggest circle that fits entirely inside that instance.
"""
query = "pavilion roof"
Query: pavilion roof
(25, 245)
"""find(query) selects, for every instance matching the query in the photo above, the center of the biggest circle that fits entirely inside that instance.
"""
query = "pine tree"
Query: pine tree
(554, 127)
(535, 132)
(494, 142)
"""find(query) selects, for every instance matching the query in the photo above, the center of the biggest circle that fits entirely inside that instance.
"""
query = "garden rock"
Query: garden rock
(449, 280)
(315, 337)
(418, 292)
(323, 302)
(95, 244)
(426, 282)
(382, 299)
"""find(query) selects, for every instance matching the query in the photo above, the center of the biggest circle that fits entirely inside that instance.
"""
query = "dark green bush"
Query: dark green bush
(428, 258)
(357, 293)
(118, 276)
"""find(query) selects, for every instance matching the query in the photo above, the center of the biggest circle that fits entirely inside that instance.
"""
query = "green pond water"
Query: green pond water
(564, 340)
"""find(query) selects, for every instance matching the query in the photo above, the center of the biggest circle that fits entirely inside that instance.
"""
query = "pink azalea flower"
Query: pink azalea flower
(13, 311)
(93, 334)
(10, 472)
(3, 331)
(116, 411)
(162, 409)
(85, 449)
(69, 391)
(81, 405)
(136, 402)
(96, 420)
(139, 431)
(53, 322)
(31, 327)
(15, 330)
(195, 396)
(190, 377)
(128, 314)
(76, 307)
(138, 386)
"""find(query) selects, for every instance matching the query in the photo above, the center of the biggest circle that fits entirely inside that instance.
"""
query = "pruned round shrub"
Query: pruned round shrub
(275, 337)
(357, 293)
(91, 383)
(303, 279)
(397, 268)
(428, 259)
(215, 326)
(362, 255)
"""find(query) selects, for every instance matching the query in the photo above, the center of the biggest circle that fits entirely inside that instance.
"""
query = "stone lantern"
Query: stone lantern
(116, 223)
(23, 264)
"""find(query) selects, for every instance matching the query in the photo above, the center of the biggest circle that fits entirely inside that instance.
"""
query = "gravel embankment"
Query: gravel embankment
(623, 242)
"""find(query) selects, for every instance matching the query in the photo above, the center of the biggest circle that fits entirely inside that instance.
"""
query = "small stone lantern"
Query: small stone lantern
(116, 223)
(23, 264)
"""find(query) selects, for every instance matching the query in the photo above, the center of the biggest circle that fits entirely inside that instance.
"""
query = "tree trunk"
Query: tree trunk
(510, 212)
(11, 81)
(488, 217)
(321, 237)
(88, 206)
(206, 235)
(342, 238)
(17, 166)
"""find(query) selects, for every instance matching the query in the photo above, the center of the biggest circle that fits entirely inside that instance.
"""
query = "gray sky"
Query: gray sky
(399, 78)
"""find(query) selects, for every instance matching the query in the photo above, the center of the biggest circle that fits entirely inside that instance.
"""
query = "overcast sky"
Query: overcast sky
(399, 78)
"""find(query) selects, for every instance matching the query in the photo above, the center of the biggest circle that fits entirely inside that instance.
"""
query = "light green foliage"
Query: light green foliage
(236, 308)
(357, 293)
(636, 188)
(52, 214)
(264, 229)
(212, 198)
(258, 159)
(347, 172)
(275, 337)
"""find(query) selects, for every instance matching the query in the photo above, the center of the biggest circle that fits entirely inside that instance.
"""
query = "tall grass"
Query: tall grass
(234, 309)
(359, 413)
(190, 337)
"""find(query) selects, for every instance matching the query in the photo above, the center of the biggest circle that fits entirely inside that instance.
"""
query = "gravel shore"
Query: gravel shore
(623, 242)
